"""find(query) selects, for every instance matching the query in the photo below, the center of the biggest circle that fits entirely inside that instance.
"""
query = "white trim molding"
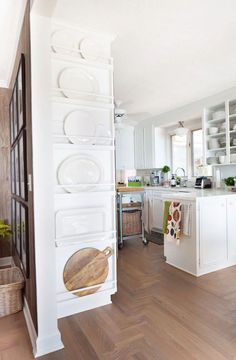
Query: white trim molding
(30, 325)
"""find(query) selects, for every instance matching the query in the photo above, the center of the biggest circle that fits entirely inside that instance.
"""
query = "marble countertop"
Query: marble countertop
(189, 193)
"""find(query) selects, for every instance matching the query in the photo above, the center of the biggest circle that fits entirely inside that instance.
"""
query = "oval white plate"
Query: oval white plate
(79, 127)
(102, 135)
(79, 170)
(74, 81)
(90, 49)
(63, 39)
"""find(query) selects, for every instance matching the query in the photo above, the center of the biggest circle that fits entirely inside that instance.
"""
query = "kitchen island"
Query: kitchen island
(211, 243)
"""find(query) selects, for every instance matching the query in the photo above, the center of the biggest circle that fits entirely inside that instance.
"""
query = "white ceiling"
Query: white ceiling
(11, 17)
(167, 52)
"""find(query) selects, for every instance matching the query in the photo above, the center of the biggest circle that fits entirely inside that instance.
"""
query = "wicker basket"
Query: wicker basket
(11, 285)
(131, 222)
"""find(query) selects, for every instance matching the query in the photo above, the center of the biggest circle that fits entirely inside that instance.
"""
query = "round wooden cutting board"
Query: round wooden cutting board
(86, 267)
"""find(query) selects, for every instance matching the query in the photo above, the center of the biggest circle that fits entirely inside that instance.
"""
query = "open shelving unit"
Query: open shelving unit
(220, 143)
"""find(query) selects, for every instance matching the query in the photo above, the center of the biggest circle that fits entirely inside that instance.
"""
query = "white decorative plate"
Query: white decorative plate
(63, 39)
(79, 170)
(102, 135)
(79, 127)
(76, 83)
(80, 222)
(90, 49)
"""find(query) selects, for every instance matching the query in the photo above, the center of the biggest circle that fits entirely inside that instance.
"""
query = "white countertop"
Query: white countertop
(189, 193)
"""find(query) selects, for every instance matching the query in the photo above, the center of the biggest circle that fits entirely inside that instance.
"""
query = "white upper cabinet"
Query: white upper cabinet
(150, 147)
(219, 131)
(125, 148)
(139, 148)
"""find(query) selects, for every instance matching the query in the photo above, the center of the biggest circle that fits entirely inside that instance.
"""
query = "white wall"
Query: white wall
(190, 111)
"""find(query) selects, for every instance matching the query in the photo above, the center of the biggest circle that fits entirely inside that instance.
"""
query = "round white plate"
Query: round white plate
(75, 81)
(102, 135)
(63, 39)
(79, 127)
(79, 170)
(90, 49)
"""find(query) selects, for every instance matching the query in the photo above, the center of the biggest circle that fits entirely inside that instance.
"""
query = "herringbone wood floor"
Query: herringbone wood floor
(158, 313)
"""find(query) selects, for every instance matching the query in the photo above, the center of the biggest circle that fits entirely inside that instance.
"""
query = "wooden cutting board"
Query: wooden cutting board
(129, 189)
(86, 267)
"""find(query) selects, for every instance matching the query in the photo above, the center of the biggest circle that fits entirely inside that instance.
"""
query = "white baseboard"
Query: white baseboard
(43, 345)
(46, 345)
(6, 261)
(30, 325)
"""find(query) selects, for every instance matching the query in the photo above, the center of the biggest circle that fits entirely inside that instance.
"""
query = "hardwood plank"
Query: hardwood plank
(159, 313)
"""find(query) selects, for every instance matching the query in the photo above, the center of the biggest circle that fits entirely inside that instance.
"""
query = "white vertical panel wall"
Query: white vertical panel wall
(48, 338)
(70, 218)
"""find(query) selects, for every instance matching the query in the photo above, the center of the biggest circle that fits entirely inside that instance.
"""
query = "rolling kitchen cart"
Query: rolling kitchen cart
(130, 215)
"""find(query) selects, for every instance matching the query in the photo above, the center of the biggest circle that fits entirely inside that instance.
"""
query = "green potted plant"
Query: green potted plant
(166, 170)
(230, 182)
(5, 229)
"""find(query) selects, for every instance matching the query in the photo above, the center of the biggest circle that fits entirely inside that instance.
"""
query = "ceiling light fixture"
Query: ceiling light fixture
(181, 130)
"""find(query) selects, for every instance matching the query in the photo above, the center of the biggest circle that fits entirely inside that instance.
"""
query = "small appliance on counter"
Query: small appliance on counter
(203, 182)
(156, 177)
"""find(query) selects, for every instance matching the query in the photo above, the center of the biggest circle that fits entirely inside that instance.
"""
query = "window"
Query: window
(197, 150)
(187, 152)
(179, 152)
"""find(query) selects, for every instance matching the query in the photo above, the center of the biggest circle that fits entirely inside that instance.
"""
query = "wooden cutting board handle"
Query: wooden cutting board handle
(107, 251)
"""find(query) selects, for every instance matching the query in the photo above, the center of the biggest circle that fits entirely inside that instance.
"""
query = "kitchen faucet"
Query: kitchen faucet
(183, 177)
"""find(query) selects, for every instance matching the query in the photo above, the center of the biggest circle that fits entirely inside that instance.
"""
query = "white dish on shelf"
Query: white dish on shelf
(103, 135)
(80, 170)
(63, 42)
(78, 84)
(233, 158)
(212, 160)
(234, 127)
(213, 130)
(79, 127)
(90, 49)
(222, 159)
(218, 114)
(214, 144)
(72, 222)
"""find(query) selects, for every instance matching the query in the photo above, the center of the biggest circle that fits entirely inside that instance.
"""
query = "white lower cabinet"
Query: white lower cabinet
(153, 210)
(213, 231)
(231, 226)
(157, 212)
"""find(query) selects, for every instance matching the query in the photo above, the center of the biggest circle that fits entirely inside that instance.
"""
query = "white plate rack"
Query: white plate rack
(75, 57)
(98, 145)
(87, 238)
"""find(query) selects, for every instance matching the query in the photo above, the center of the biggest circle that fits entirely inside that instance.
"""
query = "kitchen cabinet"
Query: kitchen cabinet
(150, 147)
(156, 212)
(219, 133)
(231, 227)
(139, 148)
(213, 231)
(125, 148)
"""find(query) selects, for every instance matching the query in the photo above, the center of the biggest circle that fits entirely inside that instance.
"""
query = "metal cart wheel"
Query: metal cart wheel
(120, 246)
(145, 241)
